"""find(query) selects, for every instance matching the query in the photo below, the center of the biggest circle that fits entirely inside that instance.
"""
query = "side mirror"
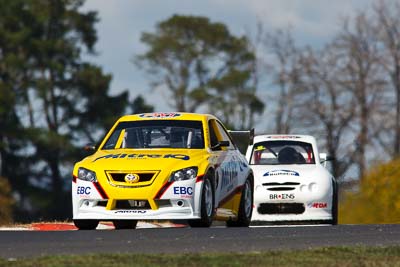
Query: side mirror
(329, 158)
(220, 144)
(223, 143)
(325, 158)
(90, 147)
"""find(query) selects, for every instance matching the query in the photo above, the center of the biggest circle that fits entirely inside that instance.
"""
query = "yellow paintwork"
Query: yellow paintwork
(159, 161)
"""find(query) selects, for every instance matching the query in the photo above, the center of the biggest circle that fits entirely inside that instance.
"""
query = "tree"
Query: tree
(362, 75)
(59, 100)
(139, 106)
(202, 64)
(388, 33)
(378, 200)
(285, 73)
(6, 202)
(326, 107)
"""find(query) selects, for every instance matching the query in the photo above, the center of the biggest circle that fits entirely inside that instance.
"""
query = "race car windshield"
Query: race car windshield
(282, 152)
(157, 134)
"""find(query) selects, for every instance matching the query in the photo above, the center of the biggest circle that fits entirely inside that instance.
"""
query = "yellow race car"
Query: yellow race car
(163, 166)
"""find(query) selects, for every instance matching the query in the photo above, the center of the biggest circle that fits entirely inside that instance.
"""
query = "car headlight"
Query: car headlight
(184, 174)
(86, 175)
(313, 187)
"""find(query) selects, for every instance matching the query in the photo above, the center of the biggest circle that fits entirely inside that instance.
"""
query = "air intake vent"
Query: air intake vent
(281, 208)
(278, 184)
(286, 186)
(132, 204)
(281, 188)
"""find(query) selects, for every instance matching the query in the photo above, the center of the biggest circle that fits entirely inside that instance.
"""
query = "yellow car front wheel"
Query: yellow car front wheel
(207, 211)
(86, 224)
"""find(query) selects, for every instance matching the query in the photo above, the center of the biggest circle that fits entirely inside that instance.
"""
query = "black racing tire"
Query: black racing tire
(335, 204)
(86, 224)
(245, 206)
(125, 224)
(207, 211)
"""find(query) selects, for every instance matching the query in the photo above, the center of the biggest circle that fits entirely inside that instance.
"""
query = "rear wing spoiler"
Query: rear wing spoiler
(243, 134)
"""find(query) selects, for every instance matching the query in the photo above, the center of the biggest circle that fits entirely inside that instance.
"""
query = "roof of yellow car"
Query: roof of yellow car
(166, 115)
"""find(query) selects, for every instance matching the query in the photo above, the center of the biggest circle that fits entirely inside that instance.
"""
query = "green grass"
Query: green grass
(339, 256)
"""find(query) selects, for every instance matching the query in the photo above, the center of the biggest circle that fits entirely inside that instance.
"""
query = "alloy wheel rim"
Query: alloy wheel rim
(208, 197)
(247, 200)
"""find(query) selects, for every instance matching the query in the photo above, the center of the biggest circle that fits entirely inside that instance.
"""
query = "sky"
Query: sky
(313, 22)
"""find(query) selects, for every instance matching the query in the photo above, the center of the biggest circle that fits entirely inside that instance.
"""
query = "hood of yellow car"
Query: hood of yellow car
(141, 159)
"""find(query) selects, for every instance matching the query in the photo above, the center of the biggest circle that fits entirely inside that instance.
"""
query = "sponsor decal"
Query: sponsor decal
(282, 196)
(259, 148)
(229, 174)
(131, 178)
(242, 163)
(281, 172)
(160, 115)
(283, 137)
(183, 191)
(318, 205)
(130, 211)
(83, 190)
(144, 156)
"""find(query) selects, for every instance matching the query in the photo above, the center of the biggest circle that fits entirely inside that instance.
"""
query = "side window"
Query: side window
(112, 140)
(225, 136)
(213, 135)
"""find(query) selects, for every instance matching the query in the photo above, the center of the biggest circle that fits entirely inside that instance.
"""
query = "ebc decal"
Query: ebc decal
(83, 190)
(281, 172)
(160, 115)
(183, 190)
(144, 156)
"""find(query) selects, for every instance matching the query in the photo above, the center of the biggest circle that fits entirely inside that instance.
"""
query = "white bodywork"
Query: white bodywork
(304, 192)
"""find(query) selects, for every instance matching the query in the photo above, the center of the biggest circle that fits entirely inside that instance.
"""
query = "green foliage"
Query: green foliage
(378, 199)
(51, 101)
(334, 256)
(139, 106)
(6, 202)
(203, 65)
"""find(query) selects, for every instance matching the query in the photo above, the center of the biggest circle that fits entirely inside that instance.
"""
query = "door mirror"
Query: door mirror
(90, 147)
(223, 143)
(220, 144)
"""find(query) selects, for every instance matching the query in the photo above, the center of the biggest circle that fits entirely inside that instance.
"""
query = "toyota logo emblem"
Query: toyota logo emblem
(131, 178)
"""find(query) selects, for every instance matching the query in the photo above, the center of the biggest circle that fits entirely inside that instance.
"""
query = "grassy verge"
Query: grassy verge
(340, 256)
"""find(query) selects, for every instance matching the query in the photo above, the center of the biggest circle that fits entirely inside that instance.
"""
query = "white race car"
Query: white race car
(291, 183)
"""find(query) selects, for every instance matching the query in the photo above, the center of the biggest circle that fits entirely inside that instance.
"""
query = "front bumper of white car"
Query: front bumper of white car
(295, 205)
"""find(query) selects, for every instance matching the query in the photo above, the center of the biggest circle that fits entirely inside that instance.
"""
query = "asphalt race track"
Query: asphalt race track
(16, 244)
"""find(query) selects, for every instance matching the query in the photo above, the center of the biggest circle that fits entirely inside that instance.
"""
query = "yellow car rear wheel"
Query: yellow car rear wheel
(246, 206)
